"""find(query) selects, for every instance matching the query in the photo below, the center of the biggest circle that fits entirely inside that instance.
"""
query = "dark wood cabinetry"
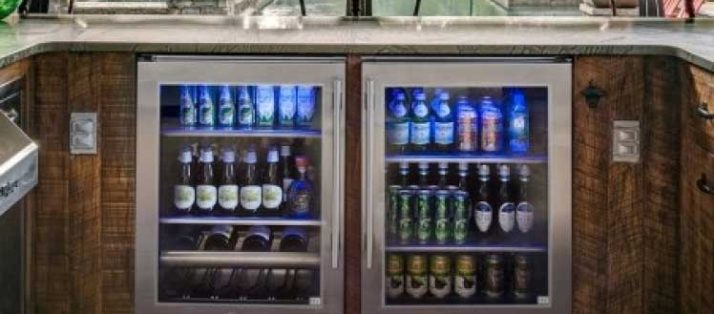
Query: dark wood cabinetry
(643, 232)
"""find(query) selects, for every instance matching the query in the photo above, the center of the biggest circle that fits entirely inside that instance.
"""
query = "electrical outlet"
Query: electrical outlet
(626, 141)
(83, 133)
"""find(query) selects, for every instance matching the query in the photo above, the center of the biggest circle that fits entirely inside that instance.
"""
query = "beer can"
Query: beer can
(465, 279)
(440, 275)
(521, 275)
(461, 207)
(423, 215)
(393, 212)
(467, 129)
(494, 275)
(395, 275)
(416, 276)
(441, 216)
(406, 228)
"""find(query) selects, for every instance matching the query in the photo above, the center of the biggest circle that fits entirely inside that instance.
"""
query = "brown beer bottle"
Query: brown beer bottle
(251, 191)
(206, 192)
(184, 191)
(483, 210)
(272, 186)
(507, 208)
(228, 190)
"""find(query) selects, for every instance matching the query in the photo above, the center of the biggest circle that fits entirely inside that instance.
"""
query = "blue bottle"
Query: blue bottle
(226, 108)
(305, 106)
(206, 109)
(187, 107)
(518, 123)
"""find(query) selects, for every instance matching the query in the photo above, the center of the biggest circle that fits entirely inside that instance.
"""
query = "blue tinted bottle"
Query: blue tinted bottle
(518, 123)
(187, 107)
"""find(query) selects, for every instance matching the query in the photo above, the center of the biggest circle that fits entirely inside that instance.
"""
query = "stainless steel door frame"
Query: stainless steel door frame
(329, 74)
(468, 73)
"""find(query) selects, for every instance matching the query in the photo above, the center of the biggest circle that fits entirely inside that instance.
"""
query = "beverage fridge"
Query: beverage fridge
(466, 185)
(239, 185)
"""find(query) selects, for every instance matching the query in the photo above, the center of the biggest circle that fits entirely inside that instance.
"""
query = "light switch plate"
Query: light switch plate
(626, 141)
(83, 133)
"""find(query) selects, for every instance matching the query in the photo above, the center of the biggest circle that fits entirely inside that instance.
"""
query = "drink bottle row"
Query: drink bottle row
(465, 276)
(442, 213)
(239, 284)
(442, 125)
(263, 106)
(226, 238)
(229, 187)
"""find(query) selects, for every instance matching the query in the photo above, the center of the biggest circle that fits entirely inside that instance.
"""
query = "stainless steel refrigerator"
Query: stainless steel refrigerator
(466, 185)
(221, 225)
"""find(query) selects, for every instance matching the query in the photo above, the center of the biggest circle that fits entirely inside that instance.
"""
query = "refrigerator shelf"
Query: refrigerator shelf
(455, 248)
(239, 221)
(239, 259)
(254, 301)
(245, 133)
(467, 158)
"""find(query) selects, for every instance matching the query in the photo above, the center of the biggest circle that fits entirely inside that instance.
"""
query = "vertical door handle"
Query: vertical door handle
(368, 200)
(337, 183)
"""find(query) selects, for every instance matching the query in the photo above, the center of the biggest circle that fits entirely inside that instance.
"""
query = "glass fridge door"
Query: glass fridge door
(238, 185)
(467, 186)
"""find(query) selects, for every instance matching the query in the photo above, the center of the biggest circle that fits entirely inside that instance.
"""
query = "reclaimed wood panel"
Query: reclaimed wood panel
(625, 220)
(697, 208)
(83, 257)
(353, 190)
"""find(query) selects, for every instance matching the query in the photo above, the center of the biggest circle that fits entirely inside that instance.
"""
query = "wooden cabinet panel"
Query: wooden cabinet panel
(699, 95)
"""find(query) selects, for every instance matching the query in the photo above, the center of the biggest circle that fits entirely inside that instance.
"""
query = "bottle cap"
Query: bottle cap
(273, 155)
(484, 170)
(463, 166)
(185, 156)
(285, 150)
(228, 156)
(206, 155)
(401, 96)
(486, 100)
(250, 157)
(301, 162)
(444, 96)
(524, 171)
(420, 96)
(423, 166)
(504, 170)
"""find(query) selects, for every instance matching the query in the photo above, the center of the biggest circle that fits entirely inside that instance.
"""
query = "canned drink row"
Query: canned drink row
(462, 275)
(428, 214)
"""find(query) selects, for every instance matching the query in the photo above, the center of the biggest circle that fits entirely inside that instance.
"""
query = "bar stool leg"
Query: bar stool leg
(302, 7)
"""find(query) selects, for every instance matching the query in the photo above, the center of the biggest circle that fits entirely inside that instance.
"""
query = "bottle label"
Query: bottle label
(524, 216)
(228, 196)
(467, 131)
(465, 285)
(250, 197)
(286, 185)
(305, 105)
(507, 216)
(491, 132)
(395, 285)
(421, 111)
(399, 133)
(206, 113)
(226, 114)
(484, 216)
(206, 196)
(416, 285)
(188, 114)
(301, 203)
(184, 197)
(246, 114)
(287, 106)
(460, 229)
(440, 285)
(518, 133)
(272, 196)
(420, 133)
(444, 133)
(265, 106)
(399, 111)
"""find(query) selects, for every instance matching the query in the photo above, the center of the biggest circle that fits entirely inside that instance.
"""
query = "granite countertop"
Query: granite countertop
(325, 35)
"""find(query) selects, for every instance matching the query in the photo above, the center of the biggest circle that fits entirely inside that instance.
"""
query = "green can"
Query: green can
(441, 216)
(461, 206)
(406, 228)
(393, 212)
(423, 215)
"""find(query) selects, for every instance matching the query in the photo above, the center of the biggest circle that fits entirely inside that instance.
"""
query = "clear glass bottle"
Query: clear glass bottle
(187, 107)
(226, 108)
(443, 124)
(420, 132)
(398, 124)
(206, 110)
(246, 110)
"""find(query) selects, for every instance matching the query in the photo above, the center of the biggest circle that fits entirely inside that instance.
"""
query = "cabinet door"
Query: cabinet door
(697, 227)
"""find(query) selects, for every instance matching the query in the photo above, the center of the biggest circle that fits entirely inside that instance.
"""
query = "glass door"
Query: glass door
(238, 196)
(467, 186)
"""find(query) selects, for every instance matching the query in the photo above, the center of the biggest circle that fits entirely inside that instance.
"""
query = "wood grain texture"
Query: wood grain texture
(353, 190)
(697, 208)
(625, 214)
(84, 204)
